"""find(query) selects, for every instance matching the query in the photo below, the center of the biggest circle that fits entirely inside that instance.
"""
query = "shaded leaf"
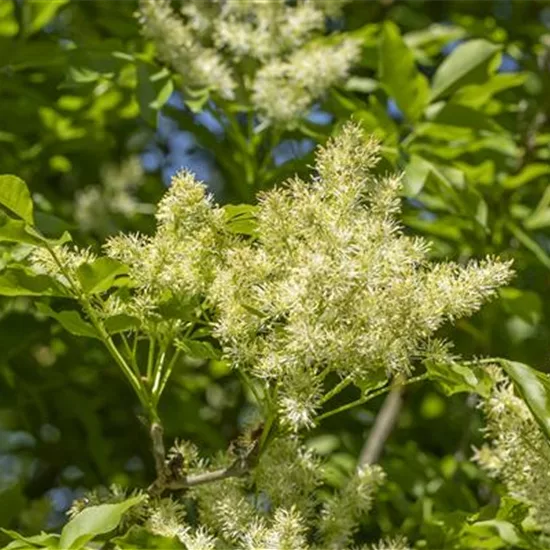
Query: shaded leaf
(71, 321)
(17, 282)
(120, 323)
(198, 349)
(454, 378)
(534, 387)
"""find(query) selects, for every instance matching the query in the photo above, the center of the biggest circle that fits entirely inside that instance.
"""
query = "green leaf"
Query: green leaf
(453, 114)
(454, 378)
(399, 74)
(93, 521)
(534, 387)
(241, 219)
(529, 243)
(163, 95)
(525, 304)
(526, 175)
(198, 349)
(538, 220)
(139, 537)
(120, 323)
(15, 196)
(469, 63)
(476, 95)
(17, 282)
(40, 13)
(100, 275)
(71, 321)
(43, 540)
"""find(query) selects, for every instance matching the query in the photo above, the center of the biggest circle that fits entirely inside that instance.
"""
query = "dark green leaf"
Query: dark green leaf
(71, 321)
(120, 323)
(534, 387)
(17, 282)
(198, 349)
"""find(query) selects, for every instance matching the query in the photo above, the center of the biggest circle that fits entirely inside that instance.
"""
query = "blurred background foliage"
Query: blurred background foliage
(459, 94)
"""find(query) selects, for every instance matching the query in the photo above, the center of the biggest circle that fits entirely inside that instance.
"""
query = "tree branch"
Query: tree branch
(383, 426)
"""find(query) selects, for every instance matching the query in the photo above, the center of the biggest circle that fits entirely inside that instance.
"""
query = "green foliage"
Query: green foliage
(457, 94)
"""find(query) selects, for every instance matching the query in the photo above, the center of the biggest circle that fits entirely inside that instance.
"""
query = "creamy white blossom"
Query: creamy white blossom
(289, 69)
(517, 451)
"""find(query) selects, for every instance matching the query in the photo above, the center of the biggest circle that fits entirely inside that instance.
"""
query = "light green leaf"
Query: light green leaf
(538, 220)
(164, 95)
(40, 13)
(453, 114)
(241, 219)
(43, 540)
(534, 387)
(100, 275)
(17, 282)
(526, 175)
(399, 74)
(139, 537)
(361, 84)
(93, 521)
(15, 196)
(71, 321)
(476, 95)
(469, 63)
(454, 378)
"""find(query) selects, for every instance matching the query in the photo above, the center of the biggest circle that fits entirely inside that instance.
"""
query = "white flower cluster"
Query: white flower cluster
(96, 205)
(333, 285)
(281, 507)
(517, 452)
(211, 41)
(329, 285)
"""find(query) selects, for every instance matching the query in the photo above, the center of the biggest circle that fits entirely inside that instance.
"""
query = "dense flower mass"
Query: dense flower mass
(517, 451)
(328, 284)
(332, 283)
(208, 42)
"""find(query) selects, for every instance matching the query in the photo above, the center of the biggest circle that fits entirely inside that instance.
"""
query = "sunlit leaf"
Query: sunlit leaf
(399, 74)
(469, 63)
(100, 275)
(15, 196)
(93, 521)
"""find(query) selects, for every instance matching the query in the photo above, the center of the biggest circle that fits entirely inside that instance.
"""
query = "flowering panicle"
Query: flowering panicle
(96, 205)
(517, 451)
(207, 42)
(333, 284)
